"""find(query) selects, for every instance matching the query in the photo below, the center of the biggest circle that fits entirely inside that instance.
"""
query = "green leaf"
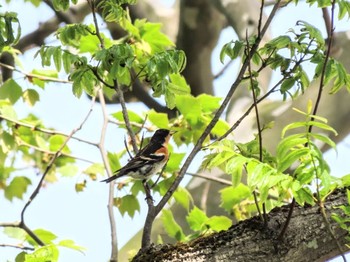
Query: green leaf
(151, 33)
(17, 187)
(209, 103)
(114, 161)
(56, 142)
(304, 195)
(133, 118)
(79, 187)
(46, 236)
(287, 84)
(158, 119)
(183, 197)
(68, 170)
(7, 110)
(346, 180)
(43, 254)
(178, 85)
(231, 196)
(189, 107)
(7, 142)
(220, 128)
(95, 169)
(127, 204)
(39, 76)
(290, 142)
(232, 52)
(219, 223)
(171, 227)
(11, 90)
(196, 219)
(174, 162)
(288, 160)
(279, 42)
(234, 167)
(71, 244)
(30, 96)
(324, 139)
(15, 232)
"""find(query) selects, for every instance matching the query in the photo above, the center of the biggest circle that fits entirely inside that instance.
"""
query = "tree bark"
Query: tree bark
(306, 239)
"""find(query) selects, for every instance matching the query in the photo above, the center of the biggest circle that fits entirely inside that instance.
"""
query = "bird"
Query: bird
(149, 160)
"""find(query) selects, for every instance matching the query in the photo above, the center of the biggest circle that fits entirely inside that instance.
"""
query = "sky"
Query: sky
(82, 217)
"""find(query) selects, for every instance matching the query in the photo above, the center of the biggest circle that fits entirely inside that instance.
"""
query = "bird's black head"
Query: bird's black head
(160, 135)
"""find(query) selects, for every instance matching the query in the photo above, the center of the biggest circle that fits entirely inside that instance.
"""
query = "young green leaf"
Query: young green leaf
(11, 90)
(171, 227)
(219, 223)
(183, 197)
(196, 219)
(17, 187)
(127, 204)
(43, 254)
(46, 236)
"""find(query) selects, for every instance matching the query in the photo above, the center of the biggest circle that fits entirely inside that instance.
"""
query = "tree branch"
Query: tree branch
(48, 167)
(114, 240)
(307, 240)
(146, 238)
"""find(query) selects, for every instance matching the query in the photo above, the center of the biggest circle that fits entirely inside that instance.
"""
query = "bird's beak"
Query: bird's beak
(172, 132)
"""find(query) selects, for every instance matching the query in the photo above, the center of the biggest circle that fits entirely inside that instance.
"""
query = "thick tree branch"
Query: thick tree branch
(306, 240)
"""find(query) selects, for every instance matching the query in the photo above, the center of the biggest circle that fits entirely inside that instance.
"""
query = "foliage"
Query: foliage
(98, 66)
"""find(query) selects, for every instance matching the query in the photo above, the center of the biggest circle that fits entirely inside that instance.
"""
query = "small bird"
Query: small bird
(149, 160)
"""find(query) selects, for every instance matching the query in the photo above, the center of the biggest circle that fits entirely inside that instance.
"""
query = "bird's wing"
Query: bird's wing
(135, 164)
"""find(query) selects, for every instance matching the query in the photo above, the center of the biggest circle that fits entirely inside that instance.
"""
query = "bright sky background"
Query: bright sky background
(83, 217)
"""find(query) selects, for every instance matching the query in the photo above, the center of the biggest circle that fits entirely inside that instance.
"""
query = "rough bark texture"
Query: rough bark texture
(306, 239)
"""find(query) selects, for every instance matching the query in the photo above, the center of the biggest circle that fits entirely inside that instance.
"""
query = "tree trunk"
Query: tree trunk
(306, 239)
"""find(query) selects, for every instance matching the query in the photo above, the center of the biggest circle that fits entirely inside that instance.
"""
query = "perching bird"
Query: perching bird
(149, 160)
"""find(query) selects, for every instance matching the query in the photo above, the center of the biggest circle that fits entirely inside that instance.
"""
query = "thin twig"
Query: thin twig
(48, 167)
(223, 69)
(286, 224)
(131, 133)
(30, 76)
(22, 143)
(114, 240)
(260, 17)
(44, 130)
(138, 125)
(262, 215)
(211, 178)
(272, 90)
(17, 246)
(93, 11)
(146, 237)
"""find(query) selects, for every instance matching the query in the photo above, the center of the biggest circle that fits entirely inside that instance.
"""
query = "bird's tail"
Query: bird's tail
(110, 178)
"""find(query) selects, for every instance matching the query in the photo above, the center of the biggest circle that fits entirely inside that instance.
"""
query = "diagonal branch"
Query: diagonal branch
(48, 167)
(146, 238)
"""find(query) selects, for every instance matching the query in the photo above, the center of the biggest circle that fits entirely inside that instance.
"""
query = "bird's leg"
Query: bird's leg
(147, 190)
